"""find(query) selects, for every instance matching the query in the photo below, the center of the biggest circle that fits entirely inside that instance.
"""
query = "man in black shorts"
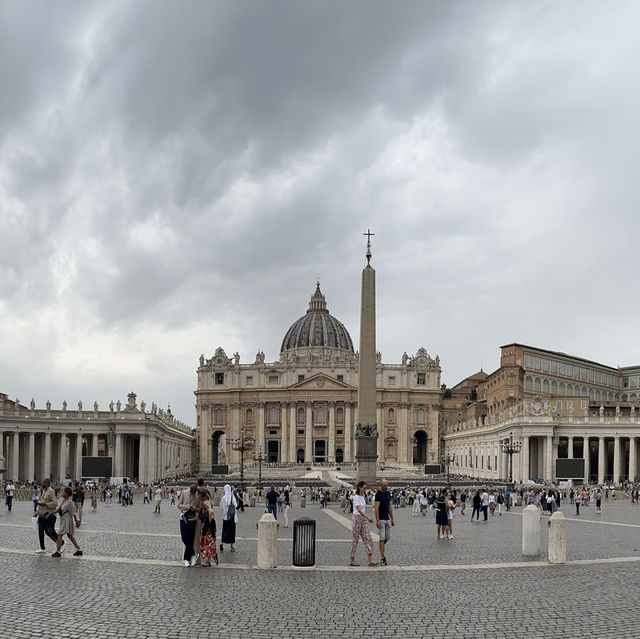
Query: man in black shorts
(384, 517)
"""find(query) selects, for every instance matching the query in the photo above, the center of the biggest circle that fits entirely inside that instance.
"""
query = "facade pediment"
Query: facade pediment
(320, 380)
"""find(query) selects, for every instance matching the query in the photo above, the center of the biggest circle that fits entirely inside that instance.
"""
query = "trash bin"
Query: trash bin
(304, 542)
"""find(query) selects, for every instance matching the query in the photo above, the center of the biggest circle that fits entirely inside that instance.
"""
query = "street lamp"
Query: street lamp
(259, 457)
(511, 448)
(446, 460)
(242, 444)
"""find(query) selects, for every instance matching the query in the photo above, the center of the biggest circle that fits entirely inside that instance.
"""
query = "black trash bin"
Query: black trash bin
(304, 542)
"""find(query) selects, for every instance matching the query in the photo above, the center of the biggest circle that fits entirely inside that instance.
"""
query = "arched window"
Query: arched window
(529, 383)
(420, 416)
(617, 397)
(320, 419)
(218, 416)
(583, 391)
(633, 396)
(569, 390)
(624, 397)
(273, 414)
(537, 385)
(248, 416)
(554, 387)
(545, 386)
(597, 395)
(561, 388)
(391, 417)
(610, 396)
(591, 395)
(339, 418)
(301, 417)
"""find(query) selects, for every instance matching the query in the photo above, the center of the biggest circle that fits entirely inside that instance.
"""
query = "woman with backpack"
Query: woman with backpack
(228, 506)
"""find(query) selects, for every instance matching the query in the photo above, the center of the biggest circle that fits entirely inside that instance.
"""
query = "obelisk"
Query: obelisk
(366, 434)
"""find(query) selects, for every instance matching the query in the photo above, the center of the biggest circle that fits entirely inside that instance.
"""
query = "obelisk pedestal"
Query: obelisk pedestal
(366, 434)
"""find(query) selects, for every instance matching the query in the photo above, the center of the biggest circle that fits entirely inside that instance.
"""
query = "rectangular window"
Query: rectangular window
(273, 379)
(554, 367)
(569, 405)
(301, 378)
(341, 378)
(422, 378)
(545, 365)
(392, 381)
(558, 405)
(528, 361)
(339, 431)
(273, 432)
(219, 378)
(583, 404)
(249, 380)
(300, 431)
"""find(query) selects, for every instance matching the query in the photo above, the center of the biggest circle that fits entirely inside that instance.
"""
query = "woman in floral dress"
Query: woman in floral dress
(207, 530)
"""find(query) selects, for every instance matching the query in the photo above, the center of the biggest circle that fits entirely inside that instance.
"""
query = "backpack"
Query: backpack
(231, 511)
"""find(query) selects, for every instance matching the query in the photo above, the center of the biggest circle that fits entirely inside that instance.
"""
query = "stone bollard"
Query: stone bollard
(531, 531)
(267, 541)
(403, 501)
(252, 502)
(303, 502)
(557, 538)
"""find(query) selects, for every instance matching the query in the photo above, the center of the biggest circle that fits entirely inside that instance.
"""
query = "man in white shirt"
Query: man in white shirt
(8, 491)
(485, 503)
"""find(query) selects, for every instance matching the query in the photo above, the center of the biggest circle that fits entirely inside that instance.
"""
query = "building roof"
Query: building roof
(561, 354)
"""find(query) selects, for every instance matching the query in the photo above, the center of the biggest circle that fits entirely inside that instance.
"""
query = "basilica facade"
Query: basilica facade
(302, 408)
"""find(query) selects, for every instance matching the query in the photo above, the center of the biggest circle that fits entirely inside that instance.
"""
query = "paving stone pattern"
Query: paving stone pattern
(112, 592)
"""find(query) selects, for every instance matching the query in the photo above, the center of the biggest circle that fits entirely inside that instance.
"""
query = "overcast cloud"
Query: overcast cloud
(175, 176)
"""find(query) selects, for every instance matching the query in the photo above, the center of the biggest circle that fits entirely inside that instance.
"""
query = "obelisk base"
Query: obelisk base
(367, 460)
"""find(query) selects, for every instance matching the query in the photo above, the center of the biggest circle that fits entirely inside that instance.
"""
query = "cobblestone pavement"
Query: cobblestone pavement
(130, 583)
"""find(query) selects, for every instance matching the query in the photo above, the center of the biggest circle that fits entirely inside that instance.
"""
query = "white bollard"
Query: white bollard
(267, 541)
(531, 531)
(557, 538)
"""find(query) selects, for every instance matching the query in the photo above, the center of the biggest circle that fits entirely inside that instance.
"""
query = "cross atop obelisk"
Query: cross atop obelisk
(366, 430)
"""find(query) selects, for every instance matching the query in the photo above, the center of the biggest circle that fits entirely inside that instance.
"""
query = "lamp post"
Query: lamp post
(511, 448)
(259, 457)
(446, 460)
(242, 445)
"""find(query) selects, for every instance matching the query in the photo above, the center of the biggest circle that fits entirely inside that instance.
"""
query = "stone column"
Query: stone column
(94, 445)
(233, 456)
(602, 459)
(284, 450)
(617, 459)
(525, 459)
(16, 471)
(348, 454)
(380, 443)
(403, 435)
(47, 455)
(31, 449)
(570, 447)
(77, 472)
(293, 430)
(332, 433)
(62, 456)
(632, 458)
(261, 427)
(117, 456)
(142, 459)
(587, 459)
(308, 444)
(548, 458)
(152, 464)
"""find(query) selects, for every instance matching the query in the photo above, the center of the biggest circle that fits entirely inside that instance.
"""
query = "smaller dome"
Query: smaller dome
(317, 328)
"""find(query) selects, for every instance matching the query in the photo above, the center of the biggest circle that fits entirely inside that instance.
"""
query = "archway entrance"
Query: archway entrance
(300, 456)
(320, 451)
(272, 452)
(339, 456)
(217, 452)
(420, 447)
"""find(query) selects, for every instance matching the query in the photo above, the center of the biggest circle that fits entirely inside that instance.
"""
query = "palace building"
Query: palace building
(303, 408)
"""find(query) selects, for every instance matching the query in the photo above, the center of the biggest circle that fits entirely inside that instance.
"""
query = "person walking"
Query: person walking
(9, 489)
(384, 518)
(442, 522)
(485, 504)
(206, 517)
(359, 528)
(287, 505)
(271, 502)
(157, 500)
(229, 508)
(47, 506)
(477, 503)
(188, 506)
(598, 501)
(67, 511)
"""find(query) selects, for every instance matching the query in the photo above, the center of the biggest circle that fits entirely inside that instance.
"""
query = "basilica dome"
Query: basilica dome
(317, 328)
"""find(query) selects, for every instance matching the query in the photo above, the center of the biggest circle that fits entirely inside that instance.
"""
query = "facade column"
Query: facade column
(15, 455)
(284, 415)
(570, 447)
(308, 444)
(548, 458)
(525, 459)
(332, 433)
(261, 427)
(347, 432)
(380, 442)
(62, 457)
(152, 464)
(602, 459)
(31, 449)
(77, 473)
(94, 445)
(403, 435)
(293, 425)
(233, 456)
(142, 459)
(632, 458)
(117, 457)
(617, 459)
(47, 455)
(586, 453)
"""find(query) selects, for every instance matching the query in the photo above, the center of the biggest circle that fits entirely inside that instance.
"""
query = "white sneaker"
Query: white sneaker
(441, 536)
(40, 551)
(186, 564)
(450, 536)
(194, 559)
(62, 548)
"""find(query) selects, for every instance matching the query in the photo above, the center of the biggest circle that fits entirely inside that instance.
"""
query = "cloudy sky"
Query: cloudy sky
(175, 176)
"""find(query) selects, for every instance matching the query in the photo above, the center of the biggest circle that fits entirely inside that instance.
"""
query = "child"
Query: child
(67, 511)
